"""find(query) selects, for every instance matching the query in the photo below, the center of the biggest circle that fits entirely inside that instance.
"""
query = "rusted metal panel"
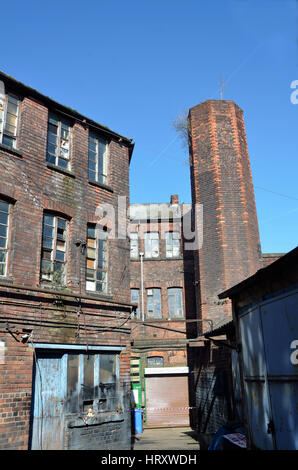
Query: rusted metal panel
(167, 401)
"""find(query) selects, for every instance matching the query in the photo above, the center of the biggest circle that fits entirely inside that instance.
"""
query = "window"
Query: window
(92, 382)
(58, 146)
(153, 303)
(97, 159)
(4, 222)
(96, 259)
(53, 254)
(134, 246)
(172, 244)
(151, 245)
(155, 361)
(134, 297)
(175, 302)
(9, 118)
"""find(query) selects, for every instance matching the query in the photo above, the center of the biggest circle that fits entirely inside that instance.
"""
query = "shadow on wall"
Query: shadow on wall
(213, 391)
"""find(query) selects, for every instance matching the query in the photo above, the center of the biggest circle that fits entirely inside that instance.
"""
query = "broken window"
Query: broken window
(92, 382)
(53, 253)
(175, 302)
(97, 159)
(153, 303)
(172, 244)
(58, 145)
(151, 245)
(9, 111)
(4, 222)
(134, 297)
(96, 259)
(134, 245)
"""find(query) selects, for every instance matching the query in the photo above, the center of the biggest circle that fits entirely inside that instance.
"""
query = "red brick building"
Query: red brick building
(64, 282)
(162, 286)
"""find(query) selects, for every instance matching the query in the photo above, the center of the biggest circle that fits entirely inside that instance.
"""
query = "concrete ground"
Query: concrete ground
(181, 438)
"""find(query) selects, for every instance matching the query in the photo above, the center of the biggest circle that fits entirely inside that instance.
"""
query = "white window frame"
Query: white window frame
(53, 249)
(151, 245)
(136, 291)
(62, 151)
(173, 244)
(134, 245)
(99, 173)
(92, 285)
(4, 250)
(178, 311)
(152, 294)
(4, 133)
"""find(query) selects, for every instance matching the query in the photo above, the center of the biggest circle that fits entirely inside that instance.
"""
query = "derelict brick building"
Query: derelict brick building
(64, 283)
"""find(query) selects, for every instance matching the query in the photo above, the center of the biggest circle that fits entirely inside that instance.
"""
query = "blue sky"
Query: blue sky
(135, 65)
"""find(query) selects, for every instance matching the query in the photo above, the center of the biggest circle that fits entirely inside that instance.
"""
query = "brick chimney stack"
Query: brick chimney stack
(221, 181)
(174, 199)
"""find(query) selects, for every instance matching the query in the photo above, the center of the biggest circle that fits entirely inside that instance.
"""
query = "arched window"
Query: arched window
(175, 302)
(155, 361)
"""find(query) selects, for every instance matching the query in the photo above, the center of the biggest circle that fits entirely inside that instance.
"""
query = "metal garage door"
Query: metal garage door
(167, 400)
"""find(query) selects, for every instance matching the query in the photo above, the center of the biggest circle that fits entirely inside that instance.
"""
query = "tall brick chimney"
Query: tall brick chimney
(221, 180)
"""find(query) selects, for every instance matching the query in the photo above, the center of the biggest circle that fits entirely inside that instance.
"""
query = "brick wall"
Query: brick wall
(213, 390)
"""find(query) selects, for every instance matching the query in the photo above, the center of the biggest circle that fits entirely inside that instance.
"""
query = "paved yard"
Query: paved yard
(166, 439)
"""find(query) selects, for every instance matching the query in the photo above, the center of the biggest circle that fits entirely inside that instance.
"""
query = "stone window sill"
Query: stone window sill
(61, 170)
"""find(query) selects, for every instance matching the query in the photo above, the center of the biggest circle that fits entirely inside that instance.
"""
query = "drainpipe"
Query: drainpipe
(142, 286)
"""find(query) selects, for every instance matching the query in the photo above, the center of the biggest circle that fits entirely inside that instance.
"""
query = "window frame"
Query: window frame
(170, 245)
(137, 313)
(7, 237)
(4, 133)
(103, 176)
(104, 258)
(134, 239)
(174, 295)
(57, 156)
(96, 399)
(148, 245)
(159, 298)
(53, 250)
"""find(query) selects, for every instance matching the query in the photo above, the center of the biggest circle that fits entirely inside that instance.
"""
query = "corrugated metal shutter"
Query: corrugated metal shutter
(167, 401)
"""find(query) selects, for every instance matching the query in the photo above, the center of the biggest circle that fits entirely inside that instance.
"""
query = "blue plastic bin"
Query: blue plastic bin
(138, 414)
